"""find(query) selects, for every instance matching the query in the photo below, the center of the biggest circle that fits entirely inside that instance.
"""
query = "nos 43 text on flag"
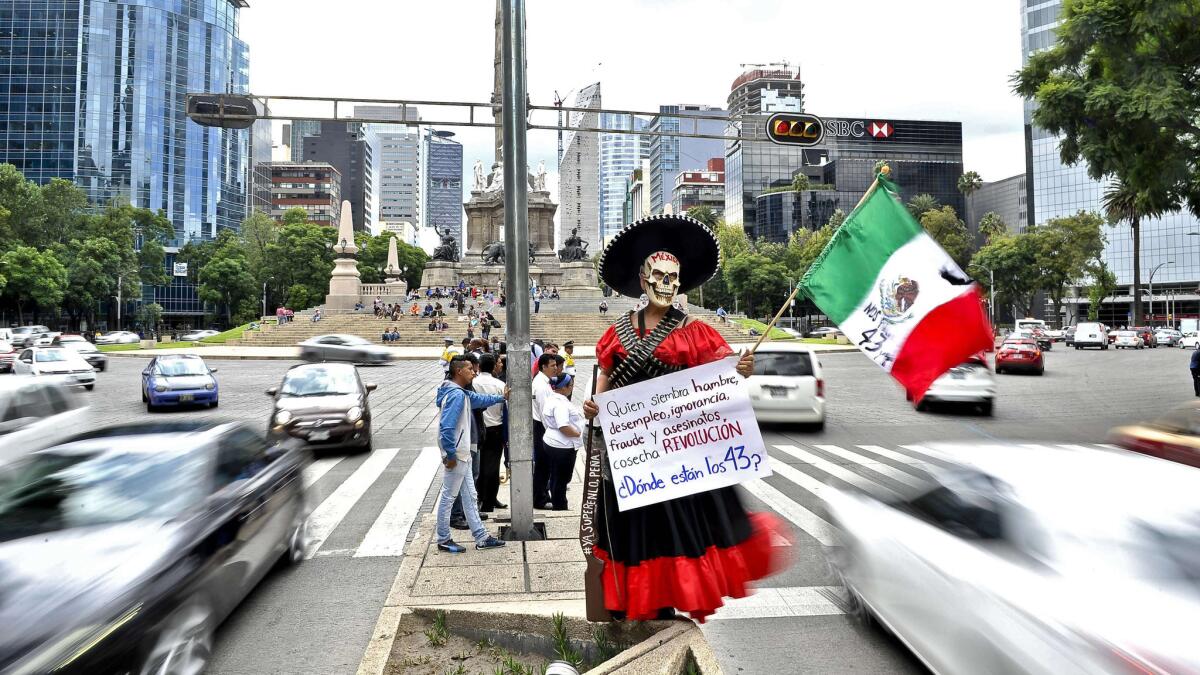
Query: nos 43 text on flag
(894, 292)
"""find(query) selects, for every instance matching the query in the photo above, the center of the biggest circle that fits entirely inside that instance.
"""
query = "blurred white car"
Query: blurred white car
(1128, 339)
(36, 413)
(1190, 340)
(343, 348)
(1032, 559)
(787, 385)
(118, 337)
(197, 335)
(1168, 336)
(67, 365)
(970, 382)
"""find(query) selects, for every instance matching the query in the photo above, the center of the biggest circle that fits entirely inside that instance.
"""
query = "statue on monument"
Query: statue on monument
(493, 253)
(496, 179)
(448, 249)
(574, 248)
(539, 179)
(478, 185)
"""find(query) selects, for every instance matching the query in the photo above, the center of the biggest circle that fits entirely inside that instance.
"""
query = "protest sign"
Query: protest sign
(679, 434)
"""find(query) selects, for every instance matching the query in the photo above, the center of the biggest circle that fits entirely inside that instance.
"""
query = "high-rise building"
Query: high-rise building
(443, 184)
(95, 92)
(294, 134)
(315, 187)
(669, 154)
(765, 91)
(1056, 190)
(1006, 198)
(399, 162)
(620, 154)
(701, 188)
(260, 169)
(579, 171)
(353, 150)
(636, 205)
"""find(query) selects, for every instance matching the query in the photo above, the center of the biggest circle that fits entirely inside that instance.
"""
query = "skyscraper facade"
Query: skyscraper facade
(579, 172)
(352, 149)
(443, 183)
(765, 91)
(399, 162)
(94, 92)
(620, 154)
(670, 154)
(294, 134)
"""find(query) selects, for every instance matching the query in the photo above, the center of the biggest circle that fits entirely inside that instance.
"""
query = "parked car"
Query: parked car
(35, 413)
(197, 335)
(1091, 335)
(28, 336)
(7, 355)
(343, 348)
(1020, 355)
(1190, 340)
(824, 332)
(1175, 436)
(787, 385)
(118, 337)
(324, 405)
(1168, 337)
(1069, 336)
(1129, 339)
(1036, 559)
(1056, 334)
(124, 549)
(88, 351)
(179, 379)
(65, 364)
(1147, 335)
(969, 382)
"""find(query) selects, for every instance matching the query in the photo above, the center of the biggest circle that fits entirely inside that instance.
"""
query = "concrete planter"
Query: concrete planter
(148, 344)
(843, 340)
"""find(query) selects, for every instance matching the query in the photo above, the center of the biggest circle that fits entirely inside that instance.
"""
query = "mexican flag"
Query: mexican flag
(894, 292)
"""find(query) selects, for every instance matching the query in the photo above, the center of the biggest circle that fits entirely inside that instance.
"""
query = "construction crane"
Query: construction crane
(784, 64)
(558, 101)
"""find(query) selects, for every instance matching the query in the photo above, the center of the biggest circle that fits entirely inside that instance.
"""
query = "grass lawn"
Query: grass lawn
(759, 326)
(126, 348)
(222, 338)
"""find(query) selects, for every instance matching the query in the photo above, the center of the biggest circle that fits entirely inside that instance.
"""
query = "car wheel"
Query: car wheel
(184, 643)
(986, 408)
(214, 404)
(1041, 371)
(103, 367)
(297, 544)
(145, 398)
(89, 387)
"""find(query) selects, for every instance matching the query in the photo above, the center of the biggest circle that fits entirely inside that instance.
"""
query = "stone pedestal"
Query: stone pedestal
(485, 222)
(344, 291)
(578, 280)
(441, 273)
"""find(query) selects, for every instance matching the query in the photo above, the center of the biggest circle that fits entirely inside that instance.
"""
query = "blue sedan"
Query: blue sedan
(178, 379)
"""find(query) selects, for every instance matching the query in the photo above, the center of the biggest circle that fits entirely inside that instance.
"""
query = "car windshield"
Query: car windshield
(23, 330)
(51, 491)
(173, 367)
(319, 381)
(50, 356)
(787, 364)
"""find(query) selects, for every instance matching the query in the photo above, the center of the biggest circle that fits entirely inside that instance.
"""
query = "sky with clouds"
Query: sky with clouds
(919, 59)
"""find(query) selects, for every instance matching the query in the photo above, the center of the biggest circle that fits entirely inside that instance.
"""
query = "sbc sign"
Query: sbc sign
(795, 129)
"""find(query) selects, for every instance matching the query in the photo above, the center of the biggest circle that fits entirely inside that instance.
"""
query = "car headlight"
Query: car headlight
(210, 386)
(283, 417)
(354, 413)
(160, 387)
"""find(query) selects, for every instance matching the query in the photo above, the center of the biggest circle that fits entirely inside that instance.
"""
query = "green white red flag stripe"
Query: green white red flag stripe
(896, 294)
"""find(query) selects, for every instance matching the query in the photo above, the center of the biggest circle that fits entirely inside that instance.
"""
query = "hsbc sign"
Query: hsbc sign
(877, 129)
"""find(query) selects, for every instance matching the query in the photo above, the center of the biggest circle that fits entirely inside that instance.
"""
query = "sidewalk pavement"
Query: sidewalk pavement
(399, 353)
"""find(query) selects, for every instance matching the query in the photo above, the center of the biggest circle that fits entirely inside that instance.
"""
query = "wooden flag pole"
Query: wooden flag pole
(786, 303)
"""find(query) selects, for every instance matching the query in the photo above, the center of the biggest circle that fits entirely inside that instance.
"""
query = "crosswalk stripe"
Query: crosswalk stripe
(330, 512)
(898, 456)
(923, 451)
(389, 532)
(873, 465)
(798, 477)
(319, 468)
(801, 517)
(830, 468)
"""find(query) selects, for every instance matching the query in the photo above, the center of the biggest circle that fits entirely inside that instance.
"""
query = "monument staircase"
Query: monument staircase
(556, 321)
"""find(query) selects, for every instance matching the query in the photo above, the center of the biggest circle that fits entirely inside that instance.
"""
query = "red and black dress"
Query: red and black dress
(690, 552)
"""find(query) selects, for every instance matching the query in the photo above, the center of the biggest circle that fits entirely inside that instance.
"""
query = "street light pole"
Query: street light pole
(1151, 284)
(516, 265)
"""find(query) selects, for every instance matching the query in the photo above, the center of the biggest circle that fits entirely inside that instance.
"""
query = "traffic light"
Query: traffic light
(795, 129)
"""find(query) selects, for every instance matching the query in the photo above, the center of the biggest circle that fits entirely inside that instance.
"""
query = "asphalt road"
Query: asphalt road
(318, 616)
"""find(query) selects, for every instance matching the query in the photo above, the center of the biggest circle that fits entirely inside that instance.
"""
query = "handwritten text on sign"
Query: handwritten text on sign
(680, 434)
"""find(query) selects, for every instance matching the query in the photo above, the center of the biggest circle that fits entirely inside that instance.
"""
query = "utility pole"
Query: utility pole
(119, 277)
(516, 265)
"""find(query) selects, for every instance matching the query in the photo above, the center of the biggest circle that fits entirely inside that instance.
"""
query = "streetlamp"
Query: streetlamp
(1151, 284)
(991, 293)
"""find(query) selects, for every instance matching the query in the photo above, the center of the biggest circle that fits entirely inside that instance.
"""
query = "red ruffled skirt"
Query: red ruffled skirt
(687, 554)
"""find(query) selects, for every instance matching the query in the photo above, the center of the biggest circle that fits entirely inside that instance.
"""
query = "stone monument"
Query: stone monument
(443, 269)
(391, 272)
(344, 283)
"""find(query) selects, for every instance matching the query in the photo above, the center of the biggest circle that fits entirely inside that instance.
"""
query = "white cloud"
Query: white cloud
(923, 59)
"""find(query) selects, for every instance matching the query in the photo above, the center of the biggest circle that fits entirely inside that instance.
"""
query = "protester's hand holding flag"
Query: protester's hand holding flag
(894, 292)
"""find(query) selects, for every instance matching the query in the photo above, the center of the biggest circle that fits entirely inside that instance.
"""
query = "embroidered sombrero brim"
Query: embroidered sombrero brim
(686, 238)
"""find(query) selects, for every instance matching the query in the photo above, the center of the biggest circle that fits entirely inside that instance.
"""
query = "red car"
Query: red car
(1147, 334)
(1020, 356)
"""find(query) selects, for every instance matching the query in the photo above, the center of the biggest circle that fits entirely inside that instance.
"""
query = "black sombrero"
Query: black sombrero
(685, 238)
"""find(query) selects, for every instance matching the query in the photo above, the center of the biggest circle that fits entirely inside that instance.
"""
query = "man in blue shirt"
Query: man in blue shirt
(455, 402)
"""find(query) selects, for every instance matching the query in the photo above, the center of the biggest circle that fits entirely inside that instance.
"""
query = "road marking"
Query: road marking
(832, 469)
(788, 601)
(330, 512)
(873, 465)
(801, 517)
(319, 468)
(898, 456)
(389, 532)
(925, 452)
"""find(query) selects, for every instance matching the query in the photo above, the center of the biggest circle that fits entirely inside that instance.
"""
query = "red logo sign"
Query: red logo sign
(882, 129)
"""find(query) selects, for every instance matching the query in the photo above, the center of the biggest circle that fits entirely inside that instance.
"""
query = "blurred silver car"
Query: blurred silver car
(1032, 559)
(197, 335)
(969, 382)
(36, 413)
(67, 366)
(343, 348)
(118, 337)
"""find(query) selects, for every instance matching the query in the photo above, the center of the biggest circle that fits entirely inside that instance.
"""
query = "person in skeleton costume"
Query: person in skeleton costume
(689, 553)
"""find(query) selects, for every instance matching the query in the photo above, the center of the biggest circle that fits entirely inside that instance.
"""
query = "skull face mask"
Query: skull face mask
(660, 278)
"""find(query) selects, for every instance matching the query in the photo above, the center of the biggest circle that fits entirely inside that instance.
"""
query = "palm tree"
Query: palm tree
(969, 182)
(918, 205)
(1122, 202)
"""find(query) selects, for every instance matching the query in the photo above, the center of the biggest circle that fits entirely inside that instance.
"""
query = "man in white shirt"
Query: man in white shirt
(564, 436)
(549, 365)
(491, 445)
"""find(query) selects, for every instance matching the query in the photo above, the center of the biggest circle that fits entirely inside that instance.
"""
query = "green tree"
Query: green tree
(63, 206)
(837, 218)
(969, 183)
(1122, 202)
(150, 315)
(1104, 284)
(800, 182)
(226, 281)
(33, 275)
(1066, 251)
(759, 282)
(259, 232)
(92, 275)
(705, 215)
(992, 226)
(922, 204)
(1013, 262)
(948, 230)
(302, 256)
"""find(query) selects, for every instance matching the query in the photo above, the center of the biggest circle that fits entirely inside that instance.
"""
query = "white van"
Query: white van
(1091, 335)
(1031, 323)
